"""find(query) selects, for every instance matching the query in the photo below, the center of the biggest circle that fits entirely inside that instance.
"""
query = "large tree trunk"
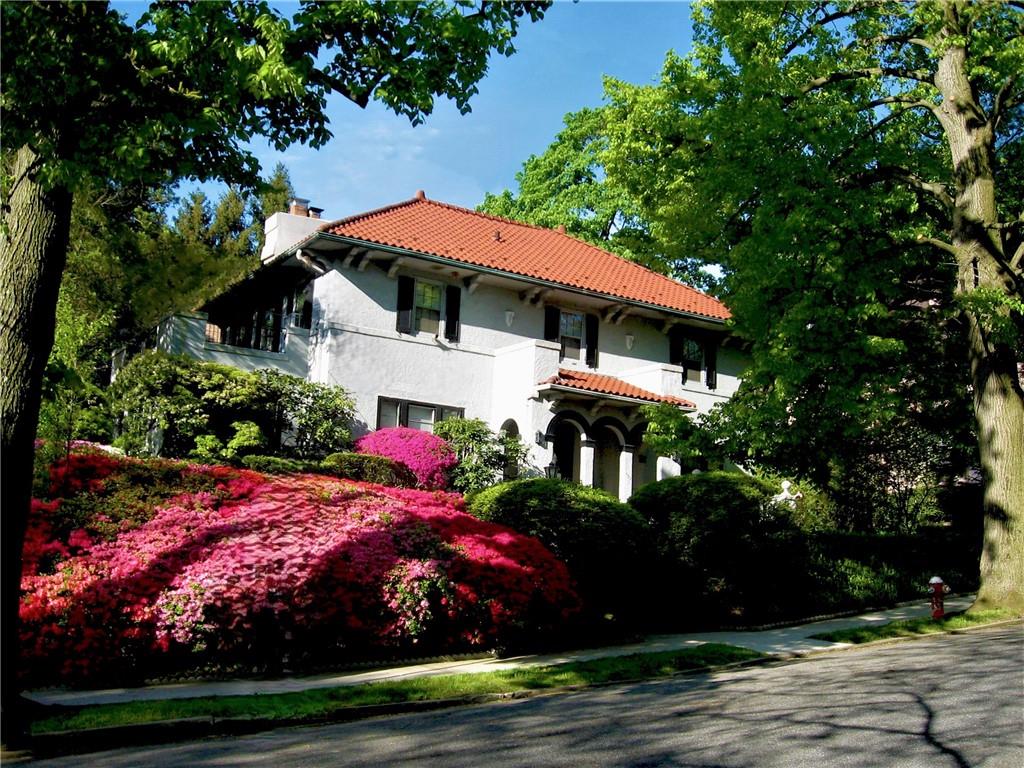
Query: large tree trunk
(998, 398)
(33, 251)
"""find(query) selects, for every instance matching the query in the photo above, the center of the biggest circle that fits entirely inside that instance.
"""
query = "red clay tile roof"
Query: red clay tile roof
(478, 239)
(609, 385)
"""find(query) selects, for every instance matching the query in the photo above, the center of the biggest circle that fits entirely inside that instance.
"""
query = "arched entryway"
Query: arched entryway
(511, 470)
(566, 441)
(607, 450)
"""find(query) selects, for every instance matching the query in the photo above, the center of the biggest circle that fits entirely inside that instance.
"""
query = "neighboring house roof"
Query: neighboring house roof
(609, 385)
(478, 239)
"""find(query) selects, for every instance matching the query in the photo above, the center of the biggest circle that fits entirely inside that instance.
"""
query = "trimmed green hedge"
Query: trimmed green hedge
(369, 468)
(728, 556)
(605, 543)
(275, 465)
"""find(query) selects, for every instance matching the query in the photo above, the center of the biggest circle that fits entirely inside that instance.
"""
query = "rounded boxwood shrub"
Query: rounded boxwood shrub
(605, 543)
(369, 469)
(726, 552)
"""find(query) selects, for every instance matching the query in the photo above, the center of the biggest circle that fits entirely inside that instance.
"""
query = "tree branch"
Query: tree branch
(1003, 101)
(920, 75)
(826, 19)
(940, 244)
(908, 102)
(934, 189)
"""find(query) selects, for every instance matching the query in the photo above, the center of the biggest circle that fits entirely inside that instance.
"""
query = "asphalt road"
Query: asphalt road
(954, 700)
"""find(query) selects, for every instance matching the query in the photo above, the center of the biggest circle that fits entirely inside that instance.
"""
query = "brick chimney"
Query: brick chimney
(298, 206)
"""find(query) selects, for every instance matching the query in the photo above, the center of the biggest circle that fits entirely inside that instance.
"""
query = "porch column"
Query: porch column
(587, 462)
(626, 472)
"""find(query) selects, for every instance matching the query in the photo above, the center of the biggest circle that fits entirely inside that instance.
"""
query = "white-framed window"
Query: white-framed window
(392, 412)
(428, 307)
(570, 335)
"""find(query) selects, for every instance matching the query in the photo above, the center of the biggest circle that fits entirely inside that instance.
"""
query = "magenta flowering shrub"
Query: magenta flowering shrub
(260, 568)
(428, 457)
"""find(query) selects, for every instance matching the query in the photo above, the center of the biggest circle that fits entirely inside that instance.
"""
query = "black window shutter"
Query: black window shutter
(452, 309)
(711, 363)
(552, 320)
(406, 291)
(592, 329)
(675, 346)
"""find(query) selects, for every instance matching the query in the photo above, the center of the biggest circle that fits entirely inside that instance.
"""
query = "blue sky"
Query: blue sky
(377, 158)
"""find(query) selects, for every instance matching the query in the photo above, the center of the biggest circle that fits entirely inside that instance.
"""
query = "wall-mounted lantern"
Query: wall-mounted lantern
(630, 340)
(510, 317)
(551, 470)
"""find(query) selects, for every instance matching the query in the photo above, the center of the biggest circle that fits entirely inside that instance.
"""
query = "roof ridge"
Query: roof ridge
(367, 214)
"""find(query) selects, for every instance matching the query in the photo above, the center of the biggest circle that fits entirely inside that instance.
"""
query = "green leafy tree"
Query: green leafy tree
(89, 97)
(485, 458)
(567, 186)
(856, 169)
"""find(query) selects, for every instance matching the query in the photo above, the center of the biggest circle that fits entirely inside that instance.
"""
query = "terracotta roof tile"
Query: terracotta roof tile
(478, 239)
(609, 385)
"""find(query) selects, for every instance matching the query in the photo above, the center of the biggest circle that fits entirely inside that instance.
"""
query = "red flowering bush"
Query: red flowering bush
(429, 457)
(256, 570)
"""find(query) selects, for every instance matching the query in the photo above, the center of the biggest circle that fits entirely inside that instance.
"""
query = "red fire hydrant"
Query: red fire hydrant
(938, 589)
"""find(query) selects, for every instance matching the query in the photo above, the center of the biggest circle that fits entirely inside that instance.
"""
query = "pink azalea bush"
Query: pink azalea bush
(259, 569)
(428, 457)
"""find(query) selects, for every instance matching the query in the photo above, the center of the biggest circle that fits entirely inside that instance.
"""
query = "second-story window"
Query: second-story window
(691, 358)
(424, 306)
(574, 332)
(694, 353)
(428, 307)
(570, 334)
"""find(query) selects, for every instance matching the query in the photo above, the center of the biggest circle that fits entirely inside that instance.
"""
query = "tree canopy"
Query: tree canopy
(856, 168)
(567, 186)
(89, 99)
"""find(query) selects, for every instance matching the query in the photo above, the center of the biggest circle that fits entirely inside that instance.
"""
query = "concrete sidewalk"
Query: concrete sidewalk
(783, 641)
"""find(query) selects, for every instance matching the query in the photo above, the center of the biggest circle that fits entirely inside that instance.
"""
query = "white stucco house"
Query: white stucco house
(422, 310)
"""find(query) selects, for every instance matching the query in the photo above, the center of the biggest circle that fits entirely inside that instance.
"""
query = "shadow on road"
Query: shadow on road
(947, 701)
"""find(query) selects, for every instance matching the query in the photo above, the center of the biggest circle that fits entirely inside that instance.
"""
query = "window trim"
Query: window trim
(581, 356)
(402, 413)
(417, 282)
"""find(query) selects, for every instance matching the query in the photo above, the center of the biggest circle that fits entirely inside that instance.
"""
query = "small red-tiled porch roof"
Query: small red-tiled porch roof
(609, 385)
(477, 239)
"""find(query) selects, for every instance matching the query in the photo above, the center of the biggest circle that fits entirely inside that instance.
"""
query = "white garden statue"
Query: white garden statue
(786, 497)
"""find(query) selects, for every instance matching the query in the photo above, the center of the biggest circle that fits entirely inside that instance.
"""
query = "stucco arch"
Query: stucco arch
(571, 417)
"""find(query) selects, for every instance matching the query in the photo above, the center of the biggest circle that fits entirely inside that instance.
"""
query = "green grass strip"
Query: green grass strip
(323, 702)
(914, 627)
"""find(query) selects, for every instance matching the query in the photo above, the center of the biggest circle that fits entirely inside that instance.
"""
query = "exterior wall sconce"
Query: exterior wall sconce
(630, 340)
(510, 317)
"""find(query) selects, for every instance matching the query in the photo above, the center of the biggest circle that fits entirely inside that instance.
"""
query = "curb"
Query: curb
(841, 647)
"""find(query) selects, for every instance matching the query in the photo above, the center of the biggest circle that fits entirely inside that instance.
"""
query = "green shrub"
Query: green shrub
(275, 465)
(813, 511)
(726, 552)
(729, 494)
(605, 543)
(214, 412)
(731, 557)
(485, 458)
(369, 468)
